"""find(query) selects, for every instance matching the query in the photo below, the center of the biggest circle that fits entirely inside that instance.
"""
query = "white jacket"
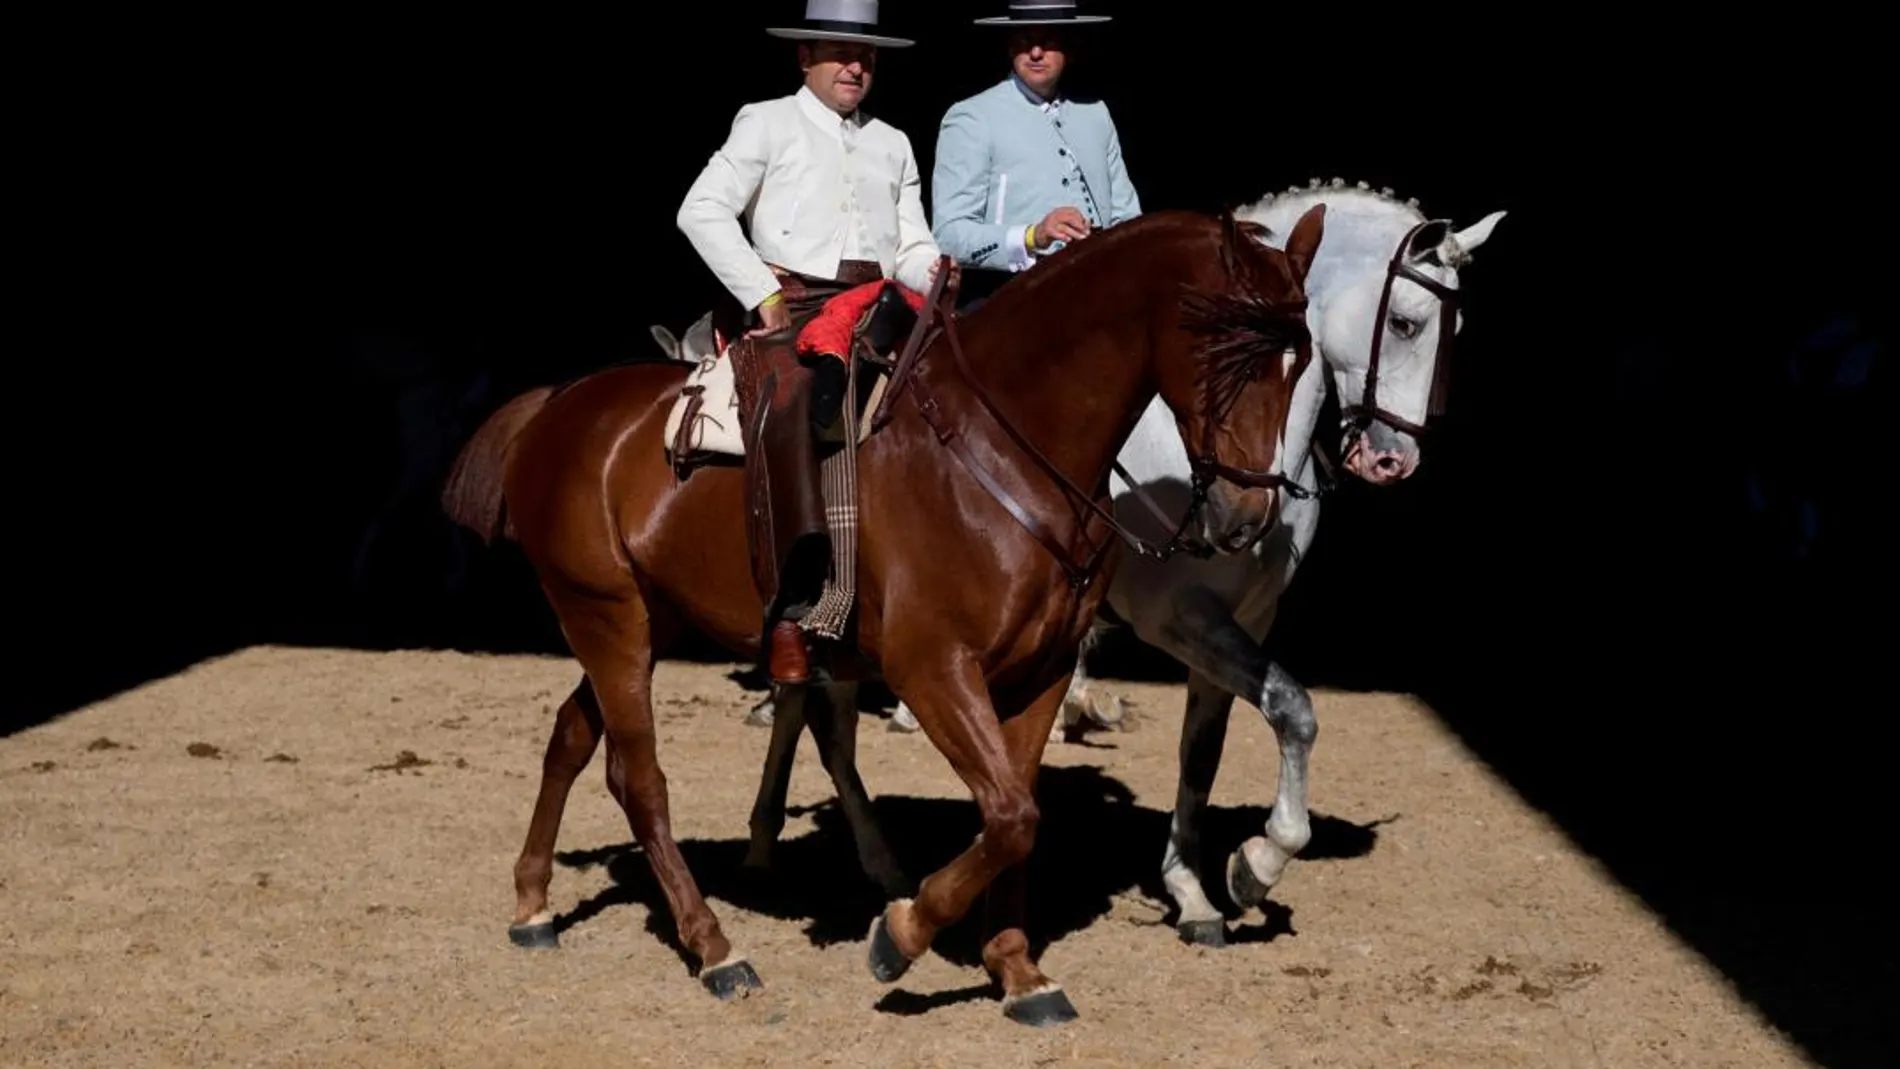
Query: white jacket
(786, 171)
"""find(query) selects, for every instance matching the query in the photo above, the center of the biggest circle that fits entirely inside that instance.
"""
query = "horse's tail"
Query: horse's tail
(472, 494)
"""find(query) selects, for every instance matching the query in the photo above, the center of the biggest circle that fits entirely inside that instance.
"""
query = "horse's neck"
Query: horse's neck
(1071, 397)
(1302, 423)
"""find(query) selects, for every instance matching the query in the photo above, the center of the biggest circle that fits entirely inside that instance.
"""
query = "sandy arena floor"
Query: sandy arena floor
(235, 865)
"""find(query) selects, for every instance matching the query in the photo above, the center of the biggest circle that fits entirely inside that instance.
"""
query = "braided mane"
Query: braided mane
(1313, 186)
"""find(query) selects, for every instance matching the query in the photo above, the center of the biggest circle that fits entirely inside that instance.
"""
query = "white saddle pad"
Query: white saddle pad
(716, 425)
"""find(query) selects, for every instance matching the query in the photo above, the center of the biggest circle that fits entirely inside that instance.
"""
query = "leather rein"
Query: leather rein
(938, 319)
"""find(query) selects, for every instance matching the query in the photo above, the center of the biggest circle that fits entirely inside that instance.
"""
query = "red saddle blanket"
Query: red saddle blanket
(830, 332)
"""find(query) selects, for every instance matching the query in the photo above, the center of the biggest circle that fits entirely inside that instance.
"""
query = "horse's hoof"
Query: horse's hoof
(1242, 884)
(903, 720)
(734, 979)
(888, 964)
(1203, 933)
(761, 715)
(534, 936)
(1041, 1009)
(1110, 713)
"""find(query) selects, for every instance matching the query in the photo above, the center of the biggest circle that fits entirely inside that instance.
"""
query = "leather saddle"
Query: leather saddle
(891, 321)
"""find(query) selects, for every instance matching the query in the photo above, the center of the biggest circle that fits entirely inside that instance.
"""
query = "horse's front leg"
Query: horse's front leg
(1260, 861)
(1086, 702)
(1205, 637)
(952, 705)
(1006, 950)
(1203, 737)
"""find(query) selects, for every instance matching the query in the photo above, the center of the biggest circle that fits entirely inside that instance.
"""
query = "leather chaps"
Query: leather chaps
(791, 402)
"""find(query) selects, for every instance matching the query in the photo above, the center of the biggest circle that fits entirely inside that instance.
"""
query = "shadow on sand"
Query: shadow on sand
(1073, 882)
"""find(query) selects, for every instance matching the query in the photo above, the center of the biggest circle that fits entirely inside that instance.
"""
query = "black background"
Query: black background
(278, 267)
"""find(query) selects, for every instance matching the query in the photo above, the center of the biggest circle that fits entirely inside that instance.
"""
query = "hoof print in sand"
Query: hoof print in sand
(405, 761)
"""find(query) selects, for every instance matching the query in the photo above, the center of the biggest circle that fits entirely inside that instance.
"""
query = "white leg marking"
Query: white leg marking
(1289, 711)
(904, 720)
(1203, 733)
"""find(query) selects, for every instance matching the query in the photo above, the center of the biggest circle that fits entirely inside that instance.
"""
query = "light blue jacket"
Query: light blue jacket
(1005, 160)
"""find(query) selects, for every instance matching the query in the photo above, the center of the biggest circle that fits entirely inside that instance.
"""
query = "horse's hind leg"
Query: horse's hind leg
(775, 779)
(1088, 701)
(610, 633)
(832, 712)
(577, 728)
(761, 714)
(903, 720)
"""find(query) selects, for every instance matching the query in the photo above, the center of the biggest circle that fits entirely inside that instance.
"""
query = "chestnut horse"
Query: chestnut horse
(981, 553)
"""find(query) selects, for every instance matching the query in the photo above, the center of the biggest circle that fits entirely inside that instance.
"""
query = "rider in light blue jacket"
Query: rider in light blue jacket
(1022, 169)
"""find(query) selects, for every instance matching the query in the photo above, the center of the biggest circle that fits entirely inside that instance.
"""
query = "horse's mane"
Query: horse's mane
(1303, 196)
(1242, 326)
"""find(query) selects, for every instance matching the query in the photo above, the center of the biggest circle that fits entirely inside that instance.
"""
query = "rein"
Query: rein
(939, 319)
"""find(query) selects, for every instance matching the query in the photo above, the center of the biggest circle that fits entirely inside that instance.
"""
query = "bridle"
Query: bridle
(1358, 418)
(939, 318)
(1206, 469)
(1361, 416)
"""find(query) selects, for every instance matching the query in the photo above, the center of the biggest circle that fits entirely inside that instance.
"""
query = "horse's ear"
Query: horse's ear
(1425, 246)
(1303, 243)
(667, 341)
(1477, 233)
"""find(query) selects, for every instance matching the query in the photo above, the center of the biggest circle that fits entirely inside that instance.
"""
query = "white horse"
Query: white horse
(1381, 298)
(1380, 295)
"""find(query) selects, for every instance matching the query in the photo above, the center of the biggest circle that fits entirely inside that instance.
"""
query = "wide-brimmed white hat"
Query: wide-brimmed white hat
(1041, 13)
(840, 20)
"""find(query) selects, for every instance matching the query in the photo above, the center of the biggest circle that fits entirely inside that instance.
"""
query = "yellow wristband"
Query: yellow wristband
(1029, 238)
(772, 298)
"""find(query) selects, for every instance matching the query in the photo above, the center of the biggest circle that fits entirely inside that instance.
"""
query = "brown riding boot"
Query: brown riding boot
(791, 553)
(787, 661)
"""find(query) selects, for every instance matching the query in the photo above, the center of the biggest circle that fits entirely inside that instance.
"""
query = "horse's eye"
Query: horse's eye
(1403, 327)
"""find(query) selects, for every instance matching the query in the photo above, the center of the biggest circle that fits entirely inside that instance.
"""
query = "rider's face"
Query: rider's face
(1038, 55)
(839, 72)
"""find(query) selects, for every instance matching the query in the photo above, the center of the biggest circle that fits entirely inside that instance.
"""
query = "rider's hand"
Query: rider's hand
(1063, 224)
(773, 317)
(955, 280)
